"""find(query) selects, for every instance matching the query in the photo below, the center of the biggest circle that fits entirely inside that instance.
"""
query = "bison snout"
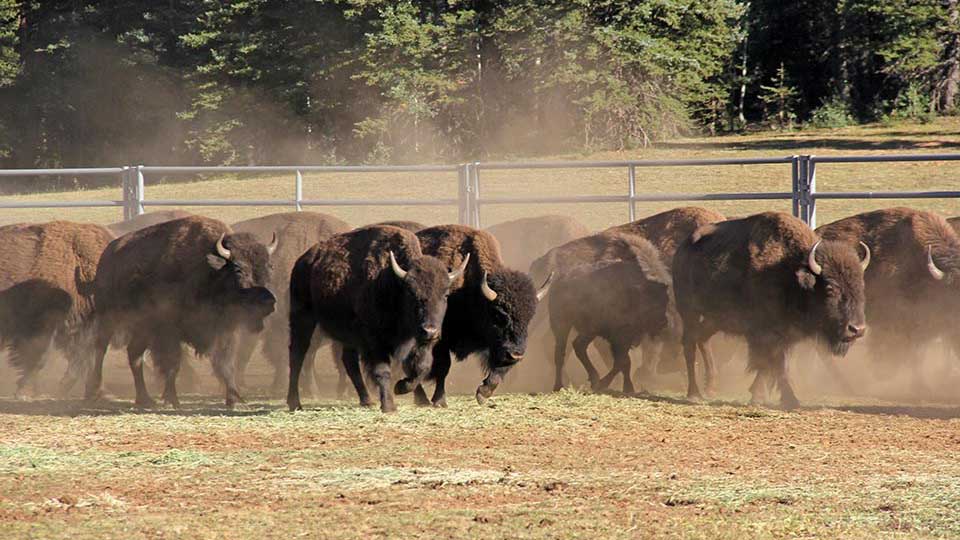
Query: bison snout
(854, 331)
(428, 333)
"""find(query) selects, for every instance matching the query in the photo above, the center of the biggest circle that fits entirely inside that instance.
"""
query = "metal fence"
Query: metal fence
(803, 192)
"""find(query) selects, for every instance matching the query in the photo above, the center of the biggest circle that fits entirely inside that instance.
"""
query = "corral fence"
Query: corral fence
(801, 169)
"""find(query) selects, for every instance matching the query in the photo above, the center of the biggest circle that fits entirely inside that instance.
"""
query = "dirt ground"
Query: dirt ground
(548, 465)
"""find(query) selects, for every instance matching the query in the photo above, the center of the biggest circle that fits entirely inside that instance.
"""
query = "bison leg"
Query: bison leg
(690, 356)
(308, 371)
(490, 384)
(28, 356)
(560, 356)
(275, 350)
(336, 350)
(382, 374)
(246, 344)
(168, 357)
(93, 390)
(441, 368)
(135, 350)
(302, 326)
(350, 359)
(580, 344)
(224, 366)
(709, 368)
(621, 355)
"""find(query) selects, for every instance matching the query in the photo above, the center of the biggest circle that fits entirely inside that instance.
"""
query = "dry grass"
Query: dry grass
(564, 465)
(939, 137)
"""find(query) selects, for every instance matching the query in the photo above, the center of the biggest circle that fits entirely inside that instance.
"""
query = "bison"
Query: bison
(524, 240)
(374, 291)
(411, 226)
(121, 228)
(45, 294)
(191, 280)
(296, 232)
(770, 279)
(626, 302)
(665, 231)
(913, 284)
(488, 311)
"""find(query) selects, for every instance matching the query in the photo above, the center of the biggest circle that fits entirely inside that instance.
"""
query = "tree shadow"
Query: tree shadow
(813, 144)
(189, 408)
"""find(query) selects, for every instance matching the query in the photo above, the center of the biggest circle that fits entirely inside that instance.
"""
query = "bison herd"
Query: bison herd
(397, 301)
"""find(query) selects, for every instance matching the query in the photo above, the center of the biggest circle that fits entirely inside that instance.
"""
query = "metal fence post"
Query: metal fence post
(298, 191)
(463, 194)
(795, 185)
(139, 193)
(475, 194)
(812, 192)
(801, 191)
(128, 189)
(632, 179)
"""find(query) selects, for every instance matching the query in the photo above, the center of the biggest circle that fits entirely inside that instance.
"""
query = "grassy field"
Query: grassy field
(939, 137)
(553, 465)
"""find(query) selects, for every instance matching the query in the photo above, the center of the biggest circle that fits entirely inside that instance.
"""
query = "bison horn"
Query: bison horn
(932, 266)
(221, 250)
(488, 293)
(400, 272)
(273, 244)
(812, 260)
(459, 271)
(545, 287)
(865, 261)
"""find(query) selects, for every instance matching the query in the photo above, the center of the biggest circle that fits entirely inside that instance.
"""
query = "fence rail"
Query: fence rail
(803, 192)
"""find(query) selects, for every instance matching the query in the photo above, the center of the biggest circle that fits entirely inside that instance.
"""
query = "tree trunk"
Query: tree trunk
(951, 82)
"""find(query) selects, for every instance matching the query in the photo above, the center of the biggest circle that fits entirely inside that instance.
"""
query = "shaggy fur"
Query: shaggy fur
(345, 287)
(907, 307)
(121, 228)
(474, 324)
(165, 285)
(524, 240)
(750, 277)
(296, 232)
(45, 274)
(624, 302)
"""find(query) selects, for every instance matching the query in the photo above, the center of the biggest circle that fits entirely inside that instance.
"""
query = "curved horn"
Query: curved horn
(488, 293)
(545, 287)
(932, 266)
(459, 271)
(221, 250)
(273, 244)
(865, 261)
(400, 272)
(812, 260)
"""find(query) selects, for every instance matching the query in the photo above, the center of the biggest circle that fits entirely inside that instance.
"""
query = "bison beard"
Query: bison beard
(769, 279)
(190, 281)
(374, 291)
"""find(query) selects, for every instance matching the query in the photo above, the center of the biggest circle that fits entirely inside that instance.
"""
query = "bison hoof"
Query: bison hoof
(403, 386)
(440, 403)
(420, 398)
(296, 406)
(388, 407)
(145, 403)
(695, 397)
(789, 404)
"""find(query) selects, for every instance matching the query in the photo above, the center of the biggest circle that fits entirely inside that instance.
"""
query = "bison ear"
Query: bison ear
(215, 261)
(806, 279)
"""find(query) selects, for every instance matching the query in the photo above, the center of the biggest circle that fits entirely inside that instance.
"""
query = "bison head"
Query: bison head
(242, 269)
(507, 304)
(833, 277)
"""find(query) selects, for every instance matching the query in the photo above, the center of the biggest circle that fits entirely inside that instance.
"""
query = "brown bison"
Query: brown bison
(488, 310)
(374, 291)
(524, 240)
(665, 231)
(45, 294)
(770, 279)
(913, 283)
(296, 232)
(191, 280)
(121, 228)
(625, 302)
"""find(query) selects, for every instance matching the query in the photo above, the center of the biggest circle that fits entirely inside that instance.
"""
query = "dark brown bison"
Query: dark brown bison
(625, 302)
(770, 279)
(121, 228)
(295, 232)
(913, 283)
(191, 280)
(524, 240)
(488, 310)
(45, 294)
(665, 231)
(411, 226)
(374, 291)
